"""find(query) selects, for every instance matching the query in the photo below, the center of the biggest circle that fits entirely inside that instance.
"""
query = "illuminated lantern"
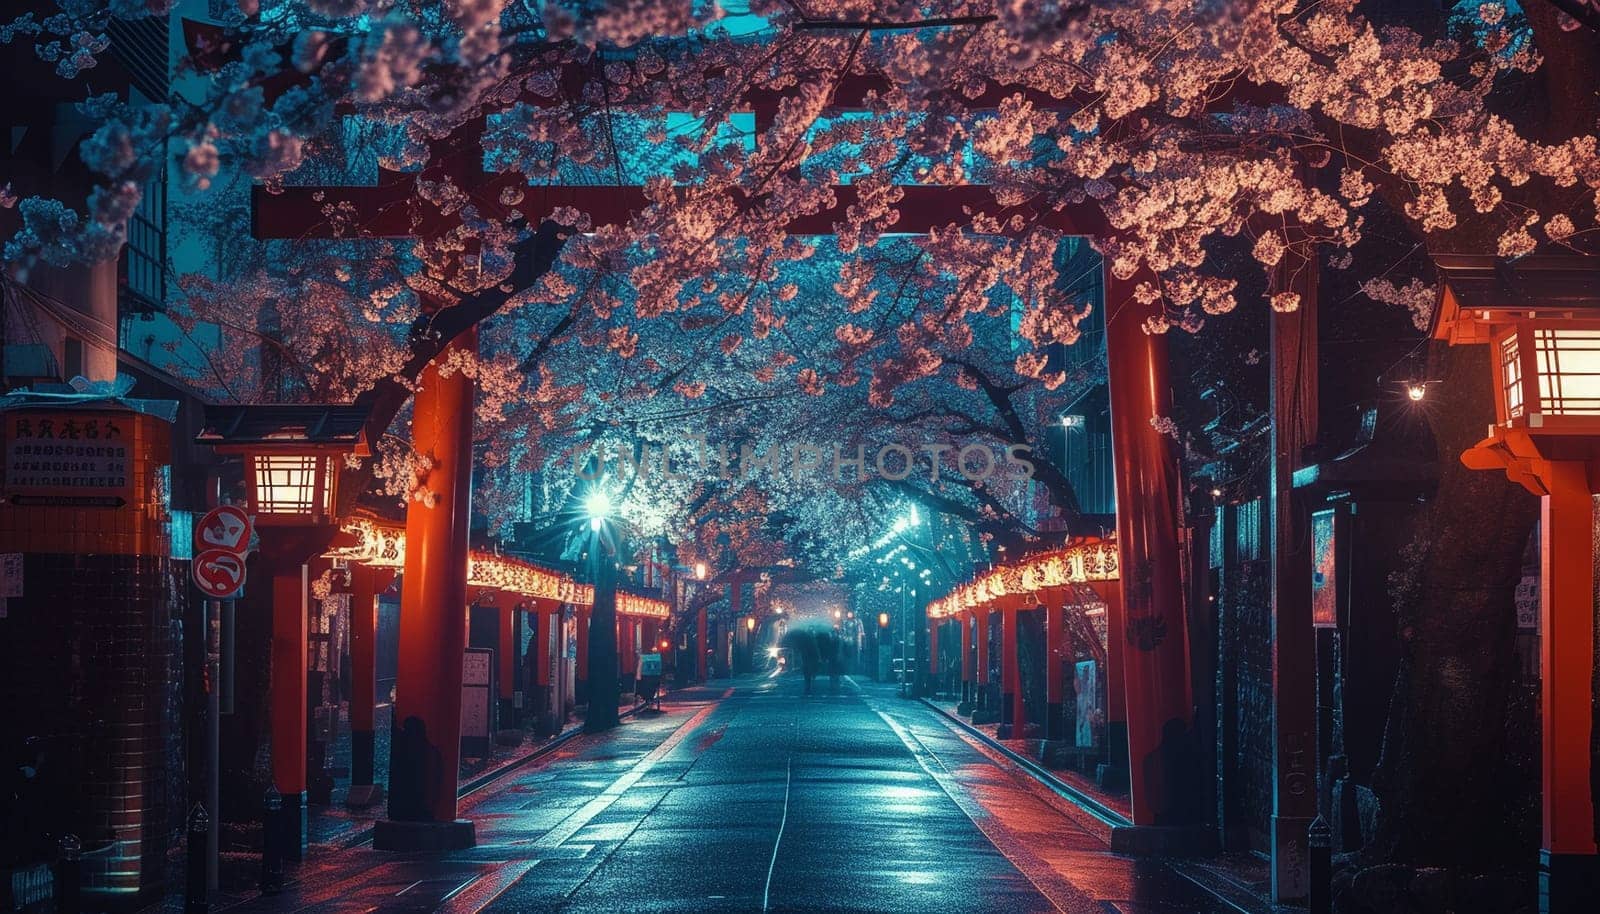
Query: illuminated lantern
(1540, 317)
(883, 620)
(292, 454)
(750, 623)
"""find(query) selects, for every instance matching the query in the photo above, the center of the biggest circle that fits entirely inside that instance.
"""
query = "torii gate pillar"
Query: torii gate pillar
(425, 748)
(1163, 776)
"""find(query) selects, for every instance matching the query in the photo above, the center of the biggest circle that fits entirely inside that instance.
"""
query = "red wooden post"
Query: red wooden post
(367, 582)
(965, 620)
(735, 608)
(1116, 774)
(981, 679)
(1012, 710)
(506, 658)
(1161, 771)
(933, 654)
(1566, 657)
(290, 590)
(426, 746)
(700, 644)
(1055, 640)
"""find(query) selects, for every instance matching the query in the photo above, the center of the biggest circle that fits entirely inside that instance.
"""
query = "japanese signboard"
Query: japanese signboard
(10, 578)
(1324, 571)
(477, 676)
(68, 458)
(1527, 599)
(1084, 675)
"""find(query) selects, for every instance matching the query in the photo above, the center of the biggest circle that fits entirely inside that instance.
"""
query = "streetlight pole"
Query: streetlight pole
(604, 689)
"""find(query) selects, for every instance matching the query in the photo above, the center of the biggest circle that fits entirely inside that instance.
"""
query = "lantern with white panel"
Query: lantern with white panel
(1540, 317)
(292, 455)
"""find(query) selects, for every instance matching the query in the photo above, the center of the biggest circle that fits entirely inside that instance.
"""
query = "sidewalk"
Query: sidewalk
(1238, 879)
(1116, 805)
(335, 827)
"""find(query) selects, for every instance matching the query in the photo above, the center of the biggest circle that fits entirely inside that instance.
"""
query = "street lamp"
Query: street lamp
(1540, 317)
(597, 506)
(291, 455)
(749, 623)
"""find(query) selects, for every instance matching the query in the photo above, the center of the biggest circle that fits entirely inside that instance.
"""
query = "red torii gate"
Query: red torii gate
(433, 639)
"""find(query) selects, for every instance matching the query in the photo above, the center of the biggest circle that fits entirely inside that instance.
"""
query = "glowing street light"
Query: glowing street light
(1416, 391)
(883, 620)
(700, 571)
(749, 623)
(597, 505)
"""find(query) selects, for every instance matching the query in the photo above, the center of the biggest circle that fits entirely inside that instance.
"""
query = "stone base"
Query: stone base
(1568, 883)
(293, 824)
(362, 796)
(431, 837)
(1162, 841)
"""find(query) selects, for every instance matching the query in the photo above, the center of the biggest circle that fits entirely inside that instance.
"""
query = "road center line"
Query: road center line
(772, 865)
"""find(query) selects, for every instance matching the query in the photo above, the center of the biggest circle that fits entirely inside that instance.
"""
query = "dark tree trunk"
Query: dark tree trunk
(1443, 803)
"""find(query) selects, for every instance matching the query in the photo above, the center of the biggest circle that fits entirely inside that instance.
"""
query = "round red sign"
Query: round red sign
(219, 573)
(224, 527)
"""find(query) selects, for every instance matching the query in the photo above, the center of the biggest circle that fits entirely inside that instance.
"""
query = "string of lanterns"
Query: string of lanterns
(1080, 563)
(383, 545)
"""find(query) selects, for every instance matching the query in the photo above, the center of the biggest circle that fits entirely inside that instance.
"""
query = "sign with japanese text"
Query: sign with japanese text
(1324, 571)
(68, 458)
(477, 715)
(1527, 599)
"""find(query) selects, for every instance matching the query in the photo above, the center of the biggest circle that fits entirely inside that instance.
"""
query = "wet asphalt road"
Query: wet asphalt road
(750, 796)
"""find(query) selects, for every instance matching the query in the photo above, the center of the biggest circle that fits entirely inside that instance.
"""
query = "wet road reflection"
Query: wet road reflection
(761, 797)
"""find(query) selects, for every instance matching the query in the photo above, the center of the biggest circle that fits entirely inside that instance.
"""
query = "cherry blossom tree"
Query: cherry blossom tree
(1167, 130)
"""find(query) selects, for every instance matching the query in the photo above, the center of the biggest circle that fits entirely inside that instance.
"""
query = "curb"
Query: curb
(466, 789)
(1235, 897)
(1107, 816)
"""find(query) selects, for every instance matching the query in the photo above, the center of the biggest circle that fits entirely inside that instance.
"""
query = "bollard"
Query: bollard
(1319, 838)
(272, 843)
(195, 896)
(69, 876)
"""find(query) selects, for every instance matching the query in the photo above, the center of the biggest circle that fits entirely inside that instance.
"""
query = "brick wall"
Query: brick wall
(90, 662)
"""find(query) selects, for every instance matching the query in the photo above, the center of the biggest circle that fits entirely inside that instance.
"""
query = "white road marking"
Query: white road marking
(572, 824)
(1031, 868)
(788, 779)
